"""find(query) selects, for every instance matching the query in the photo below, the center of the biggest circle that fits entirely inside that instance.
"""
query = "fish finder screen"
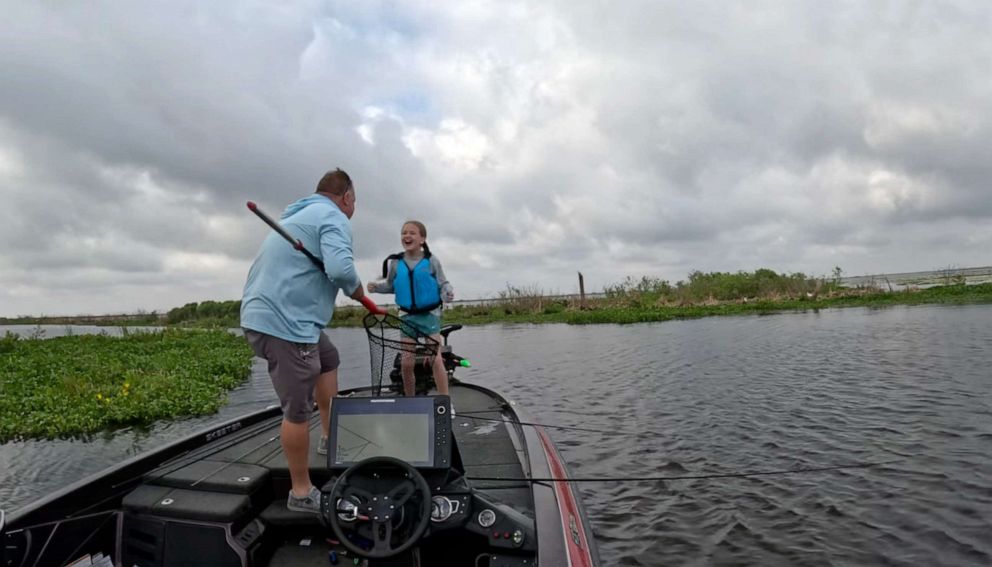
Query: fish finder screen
(406, 435)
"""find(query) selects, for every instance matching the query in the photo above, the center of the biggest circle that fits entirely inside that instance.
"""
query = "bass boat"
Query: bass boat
(404, 483)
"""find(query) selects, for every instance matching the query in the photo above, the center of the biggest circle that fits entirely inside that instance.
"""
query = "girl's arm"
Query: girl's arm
(447, 292)
(386, 286)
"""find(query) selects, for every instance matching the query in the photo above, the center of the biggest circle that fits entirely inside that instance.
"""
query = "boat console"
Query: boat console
(398, 479)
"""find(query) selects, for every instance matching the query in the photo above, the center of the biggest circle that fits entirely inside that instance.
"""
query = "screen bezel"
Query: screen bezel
(382, 406)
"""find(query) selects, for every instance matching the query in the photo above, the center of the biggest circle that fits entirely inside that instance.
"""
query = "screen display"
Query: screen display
(395, 427)
(402, 435)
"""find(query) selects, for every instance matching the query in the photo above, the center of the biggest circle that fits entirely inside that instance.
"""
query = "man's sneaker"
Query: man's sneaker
(322, 446)
(309, 503)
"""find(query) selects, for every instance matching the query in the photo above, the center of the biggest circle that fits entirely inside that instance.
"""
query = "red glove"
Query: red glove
(371, 306)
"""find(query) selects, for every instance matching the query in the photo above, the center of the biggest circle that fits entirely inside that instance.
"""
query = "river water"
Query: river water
(710, 396)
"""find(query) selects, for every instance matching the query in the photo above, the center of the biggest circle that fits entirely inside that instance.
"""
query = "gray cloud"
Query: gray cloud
(534, 139)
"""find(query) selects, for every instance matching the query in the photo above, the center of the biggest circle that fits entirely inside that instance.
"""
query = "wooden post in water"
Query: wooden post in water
(582, 292)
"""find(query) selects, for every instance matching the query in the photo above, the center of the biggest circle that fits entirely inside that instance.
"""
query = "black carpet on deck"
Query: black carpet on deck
(485, 445)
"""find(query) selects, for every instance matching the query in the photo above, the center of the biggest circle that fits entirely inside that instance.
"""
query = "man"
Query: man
(286, 304)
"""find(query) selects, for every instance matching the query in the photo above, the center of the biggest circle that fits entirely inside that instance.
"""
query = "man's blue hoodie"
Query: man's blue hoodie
(286, 295)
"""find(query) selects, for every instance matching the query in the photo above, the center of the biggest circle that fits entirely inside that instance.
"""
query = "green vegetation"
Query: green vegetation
(645, 299)
(216, 314)
(139, 319)
(76, 385)
(702, 295)
(227, 315)
(957, 295)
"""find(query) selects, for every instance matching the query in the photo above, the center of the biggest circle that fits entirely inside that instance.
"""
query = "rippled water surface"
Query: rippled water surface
(718, 395)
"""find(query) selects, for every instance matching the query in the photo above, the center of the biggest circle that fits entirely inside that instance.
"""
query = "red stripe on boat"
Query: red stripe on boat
(576, 545)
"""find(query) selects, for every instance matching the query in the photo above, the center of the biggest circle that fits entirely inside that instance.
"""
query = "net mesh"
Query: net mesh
(390, 339)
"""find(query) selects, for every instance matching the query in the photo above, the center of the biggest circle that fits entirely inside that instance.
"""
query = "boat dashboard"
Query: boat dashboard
(397, 478)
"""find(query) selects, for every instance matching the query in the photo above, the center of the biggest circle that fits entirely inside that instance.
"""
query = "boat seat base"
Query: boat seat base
(168, 502)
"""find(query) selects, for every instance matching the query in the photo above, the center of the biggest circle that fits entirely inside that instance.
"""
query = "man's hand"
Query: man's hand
(371, 306)
(359, 296)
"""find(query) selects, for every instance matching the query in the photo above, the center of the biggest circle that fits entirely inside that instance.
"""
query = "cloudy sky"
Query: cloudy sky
(534, 139)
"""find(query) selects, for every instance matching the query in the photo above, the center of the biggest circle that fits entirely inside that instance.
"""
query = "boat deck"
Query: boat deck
(219, 498)
(489, 447)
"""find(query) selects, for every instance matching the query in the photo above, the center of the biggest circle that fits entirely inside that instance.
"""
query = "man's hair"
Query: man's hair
(335, 182)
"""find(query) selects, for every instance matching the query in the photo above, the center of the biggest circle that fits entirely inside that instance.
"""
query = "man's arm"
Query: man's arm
(339, 262)
(359, 293)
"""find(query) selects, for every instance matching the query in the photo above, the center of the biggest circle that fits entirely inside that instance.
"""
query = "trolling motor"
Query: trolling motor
(452, 360)
(423, 372)
(391, 339)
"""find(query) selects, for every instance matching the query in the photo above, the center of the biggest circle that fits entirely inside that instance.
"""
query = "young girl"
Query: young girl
(420, 286)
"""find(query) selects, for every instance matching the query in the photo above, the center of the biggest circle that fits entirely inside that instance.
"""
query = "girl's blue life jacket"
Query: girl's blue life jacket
(417, 290)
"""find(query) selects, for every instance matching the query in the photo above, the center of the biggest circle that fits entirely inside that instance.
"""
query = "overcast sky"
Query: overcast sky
(534, 139)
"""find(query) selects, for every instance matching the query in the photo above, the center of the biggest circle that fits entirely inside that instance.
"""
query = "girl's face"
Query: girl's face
(411, 238)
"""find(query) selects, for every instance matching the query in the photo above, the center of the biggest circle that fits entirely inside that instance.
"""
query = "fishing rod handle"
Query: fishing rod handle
(371, 306)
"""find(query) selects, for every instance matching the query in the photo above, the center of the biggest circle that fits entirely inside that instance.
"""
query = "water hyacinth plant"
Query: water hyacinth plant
(74, 385)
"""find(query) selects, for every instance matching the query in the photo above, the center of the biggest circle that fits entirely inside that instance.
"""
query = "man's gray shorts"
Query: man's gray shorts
(294, 368)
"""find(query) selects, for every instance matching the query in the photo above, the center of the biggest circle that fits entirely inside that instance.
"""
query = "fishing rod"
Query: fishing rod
(506, 407)
(298, 244)
(687, 477)
(235, 461)
(202, 452)
(467, 415)
(179, 461)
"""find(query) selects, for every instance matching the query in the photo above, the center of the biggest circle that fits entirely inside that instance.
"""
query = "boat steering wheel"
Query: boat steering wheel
(381, 487)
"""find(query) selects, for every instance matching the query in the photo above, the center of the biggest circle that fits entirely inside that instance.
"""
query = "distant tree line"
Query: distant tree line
(206, 313)
(626, 301)
(724, 286)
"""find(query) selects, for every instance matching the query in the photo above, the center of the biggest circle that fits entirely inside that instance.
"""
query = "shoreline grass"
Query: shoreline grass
(636, 300)
(949, 295)
(79, 385)
(627, 305)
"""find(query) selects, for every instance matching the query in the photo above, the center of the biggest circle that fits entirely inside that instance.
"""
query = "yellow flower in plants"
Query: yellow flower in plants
(99, 397)
(126, 385)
